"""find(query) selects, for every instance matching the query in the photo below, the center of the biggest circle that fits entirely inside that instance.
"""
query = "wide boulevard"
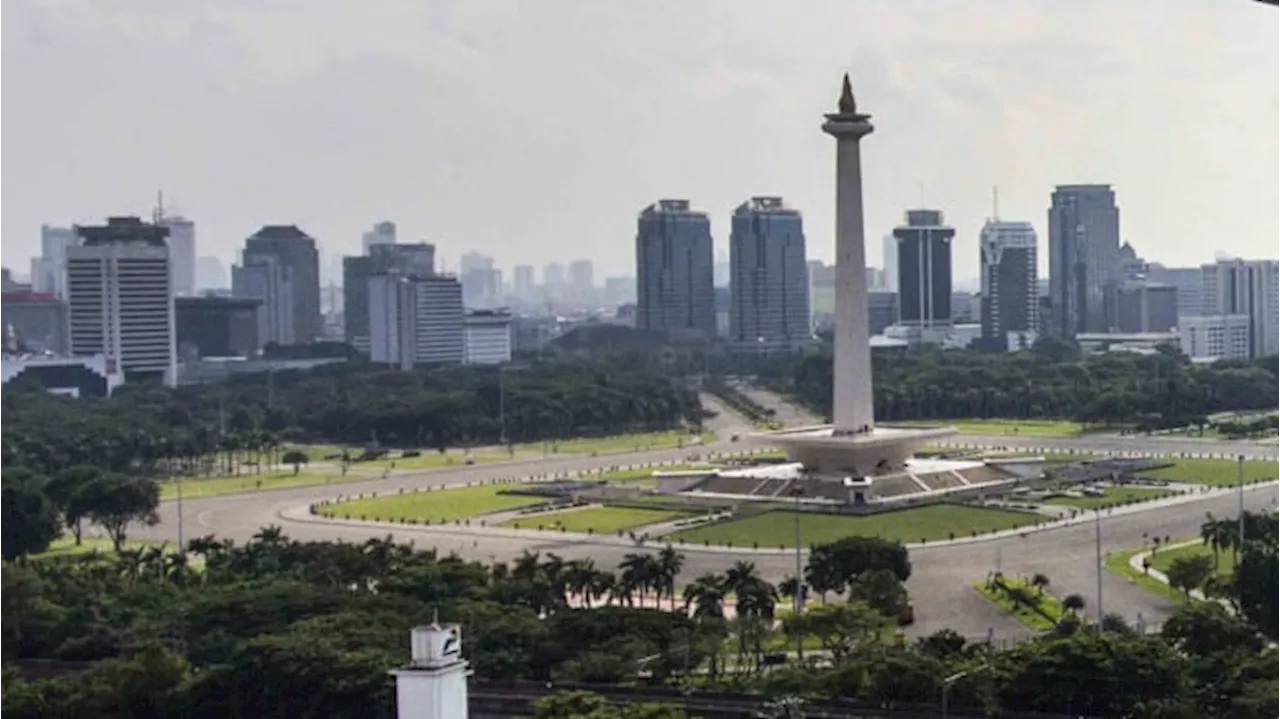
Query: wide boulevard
(942, 579)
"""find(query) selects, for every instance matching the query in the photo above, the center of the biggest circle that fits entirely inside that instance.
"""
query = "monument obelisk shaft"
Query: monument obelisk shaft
(853, 404)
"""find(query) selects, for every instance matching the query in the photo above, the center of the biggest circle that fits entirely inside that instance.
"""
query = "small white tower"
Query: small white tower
(434, 686)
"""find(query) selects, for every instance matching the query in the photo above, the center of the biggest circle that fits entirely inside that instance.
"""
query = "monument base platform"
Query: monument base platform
(878, 451)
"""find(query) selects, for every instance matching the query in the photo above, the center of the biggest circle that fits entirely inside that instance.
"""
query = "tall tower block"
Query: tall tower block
(853, 406)
(434, 686)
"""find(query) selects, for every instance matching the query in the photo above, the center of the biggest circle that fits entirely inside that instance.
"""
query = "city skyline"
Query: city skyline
(969, 105)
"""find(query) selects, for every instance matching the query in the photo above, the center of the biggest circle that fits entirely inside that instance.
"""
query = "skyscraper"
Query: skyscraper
(769, 309)
(1010, 303)
(182, 252)
(414, 259)
(1084, 237)
(296, 250)
(415, 320)
(120, 297)
(1250, 288)
(581, 275)
(890, 247)
(675, 270)
(266, 279)
(522, 282)
(383, 233)
(49, 270)
(924, 269)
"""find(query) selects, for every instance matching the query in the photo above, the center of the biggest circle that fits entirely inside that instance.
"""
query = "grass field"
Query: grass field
(597, 520)
(621, 443)
(446, 505)
(1112, 497)
(1029, 617)
(1118, 563)
(65, 546)
(1214, 472)
(219, 486)
(1164, 558)
(777, 528)
(1019, 427)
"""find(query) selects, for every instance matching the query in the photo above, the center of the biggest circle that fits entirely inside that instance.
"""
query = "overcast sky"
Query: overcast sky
(534, 131)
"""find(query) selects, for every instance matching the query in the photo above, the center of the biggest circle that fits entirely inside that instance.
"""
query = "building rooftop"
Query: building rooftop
(765, 204)
(123, 229)
(280, 232)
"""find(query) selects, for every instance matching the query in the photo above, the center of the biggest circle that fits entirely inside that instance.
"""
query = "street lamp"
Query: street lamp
(946, 690)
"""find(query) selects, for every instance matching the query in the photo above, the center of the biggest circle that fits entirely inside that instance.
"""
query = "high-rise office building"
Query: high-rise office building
(383, 233)
(1215, 337)
(1145, 306)
(415, 320)
(553, 275)
(1250, 288)
(49, 270)
(675, 270)
(296, 250)
(523, 284)
(924, 269)
(272, 283)
(890, 246)
(182, 252)
(1084, 237)
(1187, 280)
(581, 275)
(769, 306)
(1010, 300)
(120, 297)
(415, 259)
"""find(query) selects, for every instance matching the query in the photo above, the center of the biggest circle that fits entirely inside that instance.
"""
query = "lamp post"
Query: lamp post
(1097, 550)
(1240, 496)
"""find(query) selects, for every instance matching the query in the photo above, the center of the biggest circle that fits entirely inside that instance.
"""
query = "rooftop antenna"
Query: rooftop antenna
(995, 202)
(157, 216)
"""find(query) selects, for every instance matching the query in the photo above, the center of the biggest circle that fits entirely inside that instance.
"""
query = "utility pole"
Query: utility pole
(1240, 493)
(1097, 541)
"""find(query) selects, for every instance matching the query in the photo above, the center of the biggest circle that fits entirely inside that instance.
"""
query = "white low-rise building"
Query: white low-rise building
(487, 338)
(1217, 337)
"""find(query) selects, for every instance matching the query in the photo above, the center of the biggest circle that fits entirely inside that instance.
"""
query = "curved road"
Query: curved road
(941, 585)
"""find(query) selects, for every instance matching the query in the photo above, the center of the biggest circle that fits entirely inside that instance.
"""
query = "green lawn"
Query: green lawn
(777, 528)
(1029, 617)
(1118, 563)
(1215, 472)
(1162, 559)
(1112, 497)
(621, 443)
(432, 459)
(65, 546)
(445, 505)
(1011, 427)
(193, 487)
(596, 520)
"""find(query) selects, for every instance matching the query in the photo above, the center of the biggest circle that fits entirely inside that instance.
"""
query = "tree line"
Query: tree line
(1048, 381)
(344, 404)
(277, 627)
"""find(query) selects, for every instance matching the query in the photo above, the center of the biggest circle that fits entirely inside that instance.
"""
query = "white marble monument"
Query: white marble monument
(853, 446)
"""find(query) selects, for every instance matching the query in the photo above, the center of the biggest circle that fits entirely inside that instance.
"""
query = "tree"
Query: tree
(295, 457)
(114, 500)
(65, 491)
(882, 591)
(30, 519)
(670, 562)
(841, 628)
(1205, 628)
(1256, 586)
(1188, 573)
(1073, 602)
(1040, 582)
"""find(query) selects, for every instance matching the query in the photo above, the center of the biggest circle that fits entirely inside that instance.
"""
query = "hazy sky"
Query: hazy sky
(534, 131)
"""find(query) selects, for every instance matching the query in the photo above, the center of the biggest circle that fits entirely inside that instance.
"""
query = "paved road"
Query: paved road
(941, 585)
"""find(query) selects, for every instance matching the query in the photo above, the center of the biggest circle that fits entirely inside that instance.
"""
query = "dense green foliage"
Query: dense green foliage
(350, 404)
(277, 628)
(1048, 381)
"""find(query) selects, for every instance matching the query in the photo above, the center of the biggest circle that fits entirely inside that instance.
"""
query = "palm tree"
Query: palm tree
(1040, 582)
(1212, 535)
(527, 566)
(1073, 602)
(603, 584)
(706, 596)
(578, 576)
(553, 572)
(636, 574)
(670, 562)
